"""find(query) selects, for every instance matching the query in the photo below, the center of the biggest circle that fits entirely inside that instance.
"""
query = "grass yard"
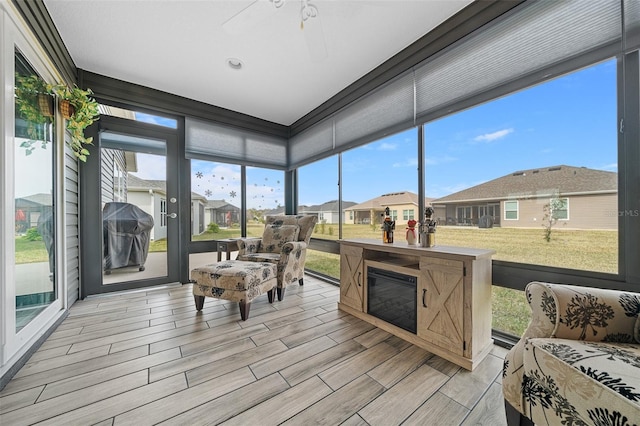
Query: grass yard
(589, 250)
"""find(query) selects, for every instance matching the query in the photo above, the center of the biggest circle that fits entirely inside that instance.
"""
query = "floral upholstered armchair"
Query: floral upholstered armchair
(284, 241)
(578, 362)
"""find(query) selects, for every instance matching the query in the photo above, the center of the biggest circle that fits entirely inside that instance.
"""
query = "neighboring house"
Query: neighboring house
(587, 199)
(328, 212)
(150, 196)
(403, 206)
(198, 208)
(29, 209)
(222, 213)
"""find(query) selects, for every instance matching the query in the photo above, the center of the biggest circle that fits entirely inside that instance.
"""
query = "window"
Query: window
(559, 208)
(265, 196)
(378, 175)
(408, 214)
(319, 196)
(138, 116)
(34, 156)
(511, 210)
(216, 190)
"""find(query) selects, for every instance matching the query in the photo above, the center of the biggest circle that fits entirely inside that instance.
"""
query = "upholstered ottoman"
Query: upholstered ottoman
(234, 280)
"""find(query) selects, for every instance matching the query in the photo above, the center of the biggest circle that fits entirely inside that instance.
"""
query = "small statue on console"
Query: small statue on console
(412, 238)
(388, 226)
(427, 229)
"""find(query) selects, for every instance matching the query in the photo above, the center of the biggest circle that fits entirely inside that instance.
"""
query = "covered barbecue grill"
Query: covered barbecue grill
(126, 230)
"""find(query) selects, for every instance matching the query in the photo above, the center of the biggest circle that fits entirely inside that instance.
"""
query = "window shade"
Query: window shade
(312, 143)
(214, 142)
(380, 113)
(631, 25)
(537, 36)
(496, 59)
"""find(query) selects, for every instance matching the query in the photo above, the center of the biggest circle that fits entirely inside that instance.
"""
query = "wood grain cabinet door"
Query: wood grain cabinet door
(441, 303)
(352, 277)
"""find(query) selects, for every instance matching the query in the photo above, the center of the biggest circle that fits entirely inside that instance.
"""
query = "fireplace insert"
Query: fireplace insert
(392, 297)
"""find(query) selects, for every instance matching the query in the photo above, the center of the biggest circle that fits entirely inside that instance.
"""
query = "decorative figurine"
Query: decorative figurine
(427, 229)
(388, 226)
(412, 238)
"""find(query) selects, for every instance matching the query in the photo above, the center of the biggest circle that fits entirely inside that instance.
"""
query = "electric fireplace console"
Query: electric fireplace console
(438, 298)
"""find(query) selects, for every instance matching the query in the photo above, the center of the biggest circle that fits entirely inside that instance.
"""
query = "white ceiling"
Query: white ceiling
(181, 47)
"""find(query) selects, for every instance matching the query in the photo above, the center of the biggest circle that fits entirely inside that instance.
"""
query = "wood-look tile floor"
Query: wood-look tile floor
(148, 358)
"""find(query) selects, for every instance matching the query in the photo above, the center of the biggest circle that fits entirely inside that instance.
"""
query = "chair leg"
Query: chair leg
(199, 302)
(244, 310)
(270, 295)
(514, 417)
(280, 291)
(301, 281)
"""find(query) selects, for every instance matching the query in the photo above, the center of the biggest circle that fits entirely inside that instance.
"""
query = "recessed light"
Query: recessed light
(234, 63)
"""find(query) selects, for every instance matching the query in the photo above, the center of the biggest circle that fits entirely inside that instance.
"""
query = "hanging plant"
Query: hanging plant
(80, 111)
(35, 106)
(34, 100)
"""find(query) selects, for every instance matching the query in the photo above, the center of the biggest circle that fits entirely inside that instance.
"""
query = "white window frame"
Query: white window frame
(566, 203)
(507, 210)
(13, 345)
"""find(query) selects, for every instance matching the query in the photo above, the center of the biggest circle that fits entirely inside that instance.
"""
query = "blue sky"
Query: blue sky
(570, 120)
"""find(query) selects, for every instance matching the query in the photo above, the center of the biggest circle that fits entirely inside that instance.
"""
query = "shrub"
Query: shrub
(33, 235)
(213, 227)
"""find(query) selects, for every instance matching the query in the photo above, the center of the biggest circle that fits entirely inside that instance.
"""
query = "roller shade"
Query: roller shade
(214, 142)
(527, 45)
(312, 143)
(536, 37)
(380, 113)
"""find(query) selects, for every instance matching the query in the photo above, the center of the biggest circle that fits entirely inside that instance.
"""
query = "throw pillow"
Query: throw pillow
(275, 236)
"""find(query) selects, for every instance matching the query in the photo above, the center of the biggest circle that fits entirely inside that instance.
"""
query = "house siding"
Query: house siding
(107, 173)
(585, 212)
(71, 223)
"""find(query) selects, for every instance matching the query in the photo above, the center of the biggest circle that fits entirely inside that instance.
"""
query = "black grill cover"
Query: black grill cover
(126, 229)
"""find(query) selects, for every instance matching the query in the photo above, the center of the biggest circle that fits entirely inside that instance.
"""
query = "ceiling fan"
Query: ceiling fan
(260, 10)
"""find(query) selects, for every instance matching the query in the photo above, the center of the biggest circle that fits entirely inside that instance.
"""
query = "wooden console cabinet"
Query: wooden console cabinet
(453, 294)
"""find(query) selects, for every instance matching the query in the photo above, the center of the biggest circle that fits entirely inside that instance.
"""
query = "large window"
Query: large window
(529, 153)
(216, 190)
(265, 196)
(378, 175)
(34, 204)
(318, 195)
(535, 153)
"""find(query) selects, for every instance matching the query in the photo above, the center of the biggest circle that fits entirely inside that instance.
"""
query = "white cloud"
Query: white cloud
(385, 146)
(490, 137)
(610, 167)
(410, 162)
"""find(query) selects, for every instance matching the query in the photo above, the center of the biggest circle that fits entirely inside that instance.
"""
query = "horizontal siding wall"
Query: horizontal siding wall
(585, 212)
(71, 223)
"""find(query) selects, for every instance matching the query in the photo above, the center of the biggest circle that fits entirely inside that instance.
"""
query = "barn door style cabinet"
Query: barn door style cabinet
(438, 298)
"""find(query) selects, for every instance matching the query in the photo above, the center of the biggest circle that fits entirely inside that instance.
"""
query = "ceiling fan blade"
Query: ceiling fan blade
(251, 15)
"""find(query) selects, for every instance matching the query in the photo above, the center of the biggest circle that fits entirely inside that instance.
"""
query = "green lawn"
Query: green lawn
(584, 250)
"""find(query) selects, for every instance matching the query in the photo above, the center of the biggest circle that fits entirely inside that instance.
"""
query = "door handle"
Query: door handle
(424, 294)
(359, 280)
(173, 215)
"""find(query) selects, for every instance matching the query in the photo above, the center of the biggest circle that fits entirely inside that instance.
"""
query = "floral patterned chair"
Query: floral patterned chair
(284, 242)
(578, 362)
